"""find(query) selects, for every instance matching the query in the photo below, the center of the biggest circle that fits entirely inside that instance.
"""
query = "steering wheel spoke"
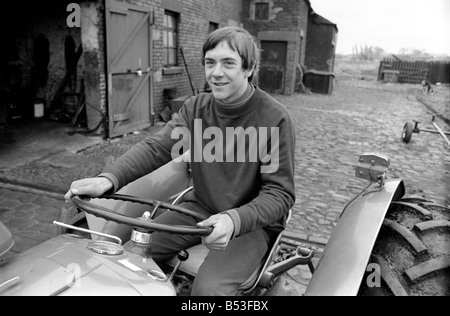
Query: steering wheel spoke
(130, 198)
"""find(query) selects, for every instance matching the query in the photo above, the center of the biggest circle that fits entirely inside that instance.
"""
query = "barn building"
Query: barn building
(117, 65)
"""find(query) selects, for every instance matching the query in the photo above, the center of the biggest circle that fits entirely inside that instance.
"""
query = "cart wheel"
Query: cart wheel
(407, 132)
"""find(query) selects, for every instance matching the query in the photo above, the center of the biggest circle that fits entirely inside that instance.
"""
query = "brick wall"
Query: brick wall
(93, 41)
(194, 18)
(284, 15)
(288, 20)
(193, 30)
(303, 17)
(321, 46)
(29, 18)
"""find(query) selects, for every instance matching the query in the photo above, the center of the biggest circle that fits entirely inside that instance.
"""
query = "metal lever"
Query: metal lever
(300, 256)
(119, 241)
(183, 255)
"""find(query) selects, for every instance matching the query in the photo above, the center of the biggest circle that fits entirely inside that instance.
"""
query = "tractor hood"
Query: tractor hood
(65, 266)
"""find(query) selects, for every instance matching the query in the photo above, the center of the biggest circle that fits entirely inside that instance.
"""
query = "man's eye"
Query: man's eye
(229, 64)
(209, 63)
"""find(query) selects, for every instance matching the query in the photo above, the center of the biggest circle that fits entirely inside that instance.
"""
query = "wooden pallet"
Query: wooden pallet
(408, 71)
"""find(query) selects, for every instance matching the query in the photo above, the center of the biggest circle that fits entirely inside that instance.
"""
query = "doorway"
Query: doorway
(273, 66)
(129, 63)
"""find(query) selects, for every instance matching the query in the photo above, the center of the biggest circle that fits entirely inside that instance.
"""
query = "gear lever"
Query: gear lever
(183, 255)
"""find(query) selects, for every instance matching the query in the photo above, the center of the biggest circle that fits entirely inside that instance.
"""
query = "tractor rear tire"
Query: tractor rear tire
(412, 251)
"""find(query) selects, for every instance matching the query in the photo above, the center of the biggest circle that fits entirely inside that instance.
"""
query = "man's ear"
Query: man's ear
(249, 72)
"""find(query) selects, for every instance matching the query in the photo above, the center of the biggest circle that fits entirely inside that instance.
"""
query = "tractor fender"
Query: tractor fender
(346, 256)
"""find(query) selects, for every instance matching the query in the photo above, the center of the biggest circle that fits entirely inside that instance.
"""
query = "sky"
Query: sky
(389, 24)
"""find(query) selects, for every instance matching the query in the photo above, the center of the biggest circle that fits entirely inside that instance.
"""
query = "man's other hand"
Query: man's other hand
(221, 234)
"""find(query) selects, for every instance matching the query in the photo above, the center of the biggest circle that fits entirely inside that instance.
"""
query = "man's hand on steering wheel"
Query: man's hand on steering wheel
(92, 187)
(221, 234)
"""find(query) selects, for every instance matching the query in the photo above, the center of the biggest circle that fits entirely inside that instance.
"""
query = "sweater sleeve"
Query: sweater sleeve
(149, 154)
(277, 194)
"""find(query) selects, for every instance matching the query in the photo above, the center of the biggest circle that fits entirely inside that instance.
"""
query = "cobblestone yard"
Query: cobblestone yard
(361, 117)
(332, 131)
(29, 215)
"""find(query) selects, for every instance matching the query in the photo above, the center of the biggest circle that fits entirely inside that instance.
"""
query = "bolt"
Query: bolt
(146, 215)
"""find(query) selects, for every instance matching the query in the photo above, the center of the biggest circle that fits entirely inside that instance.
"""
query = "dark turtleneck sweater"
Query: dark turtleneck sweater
(232, 182)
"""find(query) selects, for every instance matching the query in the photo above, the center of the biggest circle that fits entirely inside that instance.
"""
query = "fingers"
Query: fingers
(215, 245)
(214, 240)
(221, 234)
(219, 242)
(214, 237)
(68, 196)
(211, 221)
(92, 187)
(72, 192)
(84, 189)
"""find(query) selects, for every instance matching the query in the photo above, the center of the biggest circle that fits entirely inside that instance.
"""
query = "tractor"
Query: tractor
(383, 244)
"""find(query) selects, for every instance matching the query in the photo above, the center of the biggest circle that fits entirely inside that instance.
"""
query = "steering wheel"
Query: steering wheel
(84, 204)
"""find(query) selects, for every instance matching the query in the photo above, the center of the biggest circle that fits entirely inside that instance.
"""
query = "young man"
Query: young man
(243, 179)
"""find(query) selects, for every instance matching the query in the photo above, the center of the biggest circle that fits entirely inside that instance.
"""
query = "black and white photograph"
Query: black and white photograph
(252, 151)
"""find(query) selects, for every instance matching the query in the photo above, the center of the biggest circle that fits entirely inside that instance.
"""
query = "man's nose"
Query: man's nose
(218, 71)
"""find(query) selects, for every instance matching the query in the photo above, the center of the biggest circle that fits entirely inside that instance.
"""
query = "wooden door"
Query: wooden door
(273, 66)
(129, 67)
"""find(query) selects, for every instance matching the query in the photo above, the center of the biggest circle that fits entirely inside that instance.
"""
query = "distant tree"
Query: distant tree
(378, 52)
(414, 54)
(368, 53)
(403, 51)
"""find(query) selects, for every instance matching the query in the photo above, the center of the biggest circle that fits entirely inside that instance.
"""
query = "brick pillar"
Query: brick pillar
(92, 30)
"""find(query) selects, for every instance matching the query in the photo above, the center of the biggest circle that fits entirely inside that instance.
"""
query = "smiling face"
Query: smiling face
(225, 74)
